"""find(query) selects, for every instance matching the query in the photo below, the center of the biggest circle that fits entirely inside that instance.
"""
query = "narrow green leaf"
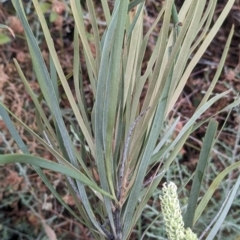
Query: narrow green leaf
(219, 69)
(224, 211)
(12, 129)
(196, 115)
(112, 87)
(59, 198)
(24, 149)
(147, 194)
(131, 61)
(57, 155)
(106, 11)
(202, 48)
(78, 16)
(44, 80)
(225, 109)
(203, 29)
(137, 17)
(96, 32)
(82, 193)
(43, 163)
(53, 74)
(134, 3)
(34, 99)
(154, 91)
(208, 195)
(62, 78)
(78, 80)
(183, 53)
(144, 161)
(200, 170)
(99, 104)
(163, 141)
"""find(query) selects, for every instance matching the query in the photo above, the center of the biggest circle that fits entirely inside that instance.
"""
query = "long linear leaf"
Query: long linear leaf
(12, 129)
(216, 182)
(200, 170)
(62, 77)
(197, 114)
(77, 13)
(99, 110)
(183, 54)
(22, 146)
(49, 95)
(106, 11)
(200, 52)
(44, 80)
(34, 98)
(224, 211)
(44, 163)
(133, 4)
(95, 33)
(145, 123)
(112, 87)
(219, 69)
(154, 134)
(78, 80)
(58, 156)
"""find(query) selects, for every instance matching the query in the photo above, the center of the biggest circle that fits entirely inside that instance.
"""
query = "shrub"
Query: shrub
(124, 140)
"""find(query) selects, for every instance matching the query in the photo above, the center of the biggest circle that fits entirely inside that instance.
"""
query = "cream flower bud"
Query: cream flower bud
(172, 214)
